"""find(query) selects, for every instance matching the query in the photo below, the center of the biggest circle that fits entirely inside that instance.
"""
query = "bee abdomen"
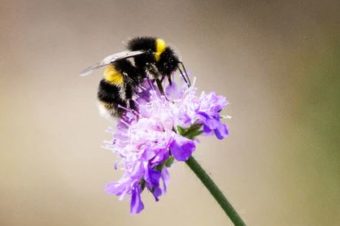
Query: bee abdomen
(110, 96)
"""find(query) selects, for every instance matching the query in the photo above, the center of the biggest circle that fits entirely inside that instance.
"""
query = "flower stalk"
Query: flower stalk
(215, 192)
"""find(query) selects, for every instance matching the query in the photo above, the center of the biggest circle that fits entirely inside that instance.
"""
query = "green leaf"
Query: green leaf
(194, 134)
(181, 130)
(190, 132)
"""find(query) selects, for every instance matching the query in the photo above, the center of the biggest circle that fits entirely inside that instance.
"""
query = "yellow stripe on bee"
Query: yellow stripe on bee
(160, 47)
(111, 75)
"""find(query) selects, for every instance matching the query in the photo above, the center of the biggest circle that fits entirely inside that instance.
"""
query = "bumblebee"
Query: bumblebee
(126, 70)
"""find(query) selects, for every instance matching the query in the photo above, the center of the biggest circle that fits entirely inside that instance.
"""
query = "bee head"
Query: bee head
(168, 62)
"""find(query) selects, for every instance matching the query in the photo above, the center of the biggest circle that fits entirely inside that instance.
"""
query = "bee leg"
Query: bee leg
(128, 96)
(132, 105)
(162, 78)
(121, 109)
(159, 85)
(169, 79)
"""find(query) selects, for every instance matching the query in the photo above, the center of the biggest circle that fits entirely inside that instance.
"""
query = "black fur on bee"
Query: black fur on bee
(116, 90)
(157, 55)
(131, 75)
(110, 96)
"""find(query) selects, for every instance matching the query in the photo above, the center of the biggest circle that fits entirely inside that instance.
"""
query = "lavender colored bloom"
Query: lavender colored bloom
(164, 129)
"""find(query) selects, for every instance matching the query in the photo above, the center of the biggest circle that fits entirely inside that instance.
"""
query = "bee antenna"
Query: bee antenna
(185, 74)
(182, 74)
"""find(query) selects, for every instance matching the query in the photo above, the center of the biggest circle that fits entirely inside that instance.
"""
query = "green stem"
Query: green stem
(215, 191)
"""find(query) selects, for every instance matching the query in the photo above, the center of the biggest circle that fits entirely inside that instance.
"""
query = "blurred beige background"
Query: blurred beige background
(277, 62)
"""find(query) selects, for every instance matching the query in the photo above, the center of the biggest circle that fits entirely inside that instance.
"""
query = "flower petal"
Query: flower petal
(221, 131)
(136, 204)
(181, 148)
(165, 179)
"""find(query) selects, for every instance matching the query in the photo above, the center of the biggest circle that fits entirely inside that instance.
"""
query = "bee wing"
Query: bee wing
(121, 55)
(87, 71)
(109, 59)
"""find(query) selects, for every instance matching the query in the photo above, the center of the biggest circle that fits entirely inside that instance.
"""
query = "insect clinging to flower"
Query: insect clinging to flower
(125, 71)
(155, 126)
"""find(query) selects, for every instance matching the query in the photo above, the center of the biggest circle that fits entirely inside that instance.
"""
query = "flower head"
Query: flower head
(164, 129)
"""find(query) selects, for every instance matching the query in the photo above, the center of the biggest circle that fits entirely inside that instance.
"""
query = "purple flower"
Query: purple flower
(164, 129)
